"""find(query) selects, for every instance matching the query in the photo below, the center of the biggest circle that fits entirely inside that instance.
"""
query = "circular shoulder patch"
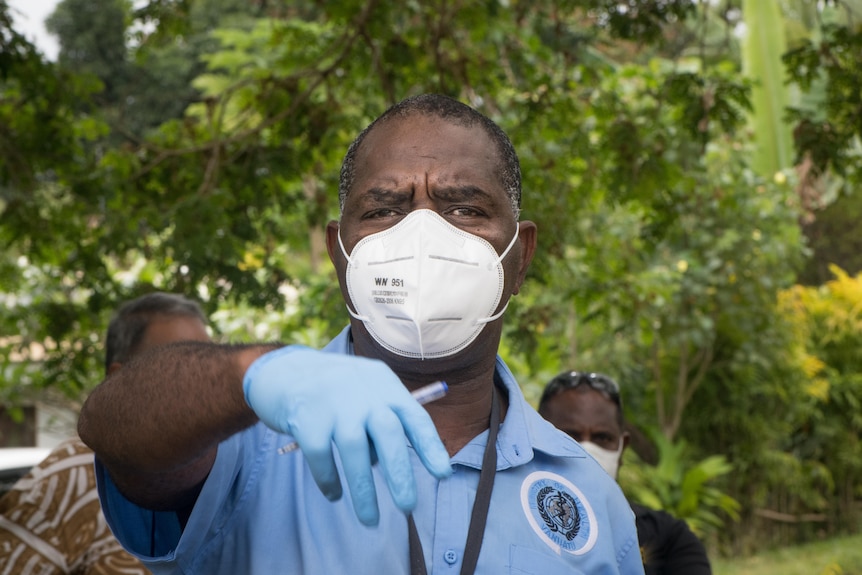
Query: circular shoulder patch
(559, 513)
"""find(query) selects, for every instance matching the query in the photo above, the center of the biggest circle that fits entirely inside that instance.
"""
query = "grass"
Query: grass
(838, 556)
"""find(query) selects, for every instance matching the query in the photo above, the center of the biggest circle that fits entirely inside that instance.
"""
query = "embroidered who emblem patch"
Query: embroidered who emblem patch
(559, 513)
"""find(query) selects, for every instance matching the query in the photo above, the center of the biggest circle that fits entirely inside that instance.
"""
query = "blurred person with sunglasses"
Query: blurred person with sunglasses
(587, 406)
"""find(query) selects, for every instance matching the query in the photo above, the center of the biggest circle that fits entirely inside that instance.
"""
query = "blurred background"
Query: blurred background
(693, 167)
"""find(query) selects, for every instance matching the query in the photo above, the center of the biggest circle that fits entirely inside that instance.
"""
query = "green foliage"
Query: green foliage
(667, 253)
(791, 431)
(92, 40)
(827, 426)
(828, 129)
(200, 154)
(763, 48)
(834, 240)
(683, 487)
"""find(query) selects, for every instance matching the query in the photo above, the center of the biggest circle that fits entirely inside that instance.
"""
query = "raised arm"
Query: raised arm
(156, 422)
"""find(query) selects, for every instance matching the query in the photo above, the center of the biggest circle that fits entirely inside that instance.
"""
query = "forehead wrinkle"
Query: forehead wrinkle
(452, 193)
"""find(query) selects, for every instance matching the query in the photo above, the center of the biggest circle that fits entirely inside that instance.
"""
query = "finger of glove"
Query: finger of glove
(420, 429)
(388, 439)
(355, 454)
(317, 449)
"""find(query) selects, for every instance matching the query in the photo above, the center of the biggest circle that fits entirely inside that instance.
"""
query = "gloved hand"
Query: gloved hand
(323, 399)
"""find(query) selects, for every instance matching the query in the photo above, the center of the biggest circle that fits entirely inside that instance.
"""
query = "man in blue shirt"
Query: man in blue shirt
(428, 251)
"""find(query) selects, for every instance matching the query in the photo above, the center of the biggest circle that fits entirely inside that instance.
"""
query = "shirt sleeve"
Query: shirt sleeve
(157, 537)
(143, 532)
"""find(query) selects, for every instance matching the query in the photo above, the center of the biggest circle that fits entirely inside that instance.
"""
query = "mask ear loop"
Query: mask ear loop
(494, 317)
(500, 313)
(502, 256)
(344, 251)
(350, 262)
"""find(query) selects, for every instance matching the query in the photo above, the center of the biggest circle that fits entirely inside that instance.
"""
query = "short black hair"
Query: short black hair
(129, 324)
(450, 110)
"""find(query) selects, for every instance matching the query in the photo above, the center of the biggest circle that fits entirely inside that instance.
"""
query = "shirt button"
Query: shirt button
(450, 556)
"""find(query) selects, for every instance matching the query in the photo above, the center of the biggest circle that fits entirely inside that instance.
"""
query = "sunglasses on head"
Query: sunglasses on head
(573, 379)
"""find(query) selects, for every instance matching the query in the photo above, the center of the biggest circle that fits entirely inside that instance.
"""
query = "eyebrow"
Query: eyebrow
(382, 195)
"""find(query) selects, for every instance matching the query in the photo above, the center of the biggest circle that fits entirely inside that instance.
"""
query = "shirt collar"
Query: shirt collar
(522, 431)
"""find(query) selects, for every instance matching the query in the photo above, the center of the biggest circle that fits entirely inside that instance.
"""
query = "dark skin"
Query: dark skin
(158, 438)
(586, 415)
(162, 331)
(427, 163)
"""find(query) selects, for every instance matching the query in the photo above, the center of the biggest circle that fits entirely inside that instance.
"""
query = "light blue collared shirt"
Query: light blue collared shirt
(553, 511)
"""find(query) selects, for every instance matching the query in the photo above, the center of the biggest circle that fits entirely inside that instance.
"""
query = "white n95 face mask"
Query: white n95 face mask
(609, 460)
(424, 288)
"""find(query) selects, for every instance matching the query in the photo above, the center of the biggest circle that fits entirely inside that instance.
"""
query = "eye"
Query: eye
(380, 213)
(465, 212)
(605, 440)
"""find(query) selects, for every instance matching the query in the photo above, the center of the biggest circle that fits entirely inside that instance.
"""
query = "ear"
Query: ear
(332, 246)
(527, 237)
(338, 259)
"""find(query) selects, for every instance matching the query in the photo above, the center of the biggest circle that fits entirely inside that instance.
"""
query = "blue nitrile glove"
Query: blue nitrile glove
(323, 399)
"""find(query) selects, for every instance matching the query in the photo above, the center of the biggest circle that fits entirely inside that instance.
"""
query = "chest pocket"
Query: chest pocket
(526, 561)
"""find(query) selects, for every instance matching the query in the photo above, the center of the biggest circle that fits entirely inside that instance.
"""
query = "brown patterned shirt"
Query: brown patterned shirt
(51, 521)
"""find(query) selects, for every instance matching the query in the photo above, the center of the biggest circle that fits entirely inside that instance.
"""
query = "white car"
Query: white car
(15, 462)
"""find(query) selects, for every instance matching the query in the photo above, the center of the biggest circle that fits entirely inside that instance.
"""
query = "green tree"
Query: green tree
(834, 239)
(662, 246)
(42, 135)
(92, 37)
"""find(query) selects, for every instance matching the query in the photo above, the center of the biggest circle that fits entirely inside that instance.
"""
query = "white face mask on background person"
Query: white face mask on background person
(608, 459)
(424, 288)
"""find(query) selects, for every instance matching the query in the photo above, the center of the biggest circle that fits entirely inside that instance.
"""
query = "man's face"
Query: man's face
(418, 162)
(165, 329)
(586, 415)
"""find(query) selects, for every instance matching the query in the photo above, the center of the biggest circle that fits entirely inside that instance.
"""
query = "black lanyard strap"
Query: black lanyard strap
(417, 556)
(479, 515)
